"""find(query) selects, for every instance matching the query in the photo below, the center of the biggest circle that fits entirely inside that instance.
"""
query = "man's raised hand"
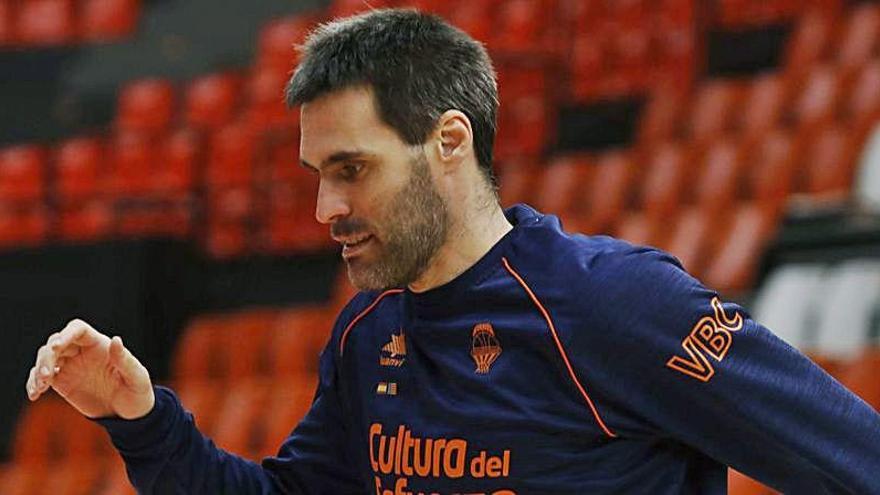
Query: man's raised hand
(97, 375)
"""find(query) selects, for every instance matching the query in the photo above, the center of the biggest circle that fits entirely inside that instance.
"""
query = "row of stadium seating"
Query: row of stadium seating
(740, 14)
(248, 377)
(710, 165)
(38, 23)
(221, 149)
(601, 49)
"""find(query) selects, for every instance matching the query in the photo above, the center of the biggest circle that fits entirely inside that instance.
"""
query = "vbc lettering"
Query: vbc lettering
(711, 337)
(406, 455)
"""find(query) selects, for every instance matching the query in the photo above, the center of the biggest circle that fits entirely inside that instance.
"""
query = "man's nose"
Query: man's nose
(332, 204)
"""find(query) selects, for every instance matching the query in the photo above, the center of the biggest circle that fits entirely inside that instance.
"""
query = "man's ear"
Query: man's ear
(456, 137)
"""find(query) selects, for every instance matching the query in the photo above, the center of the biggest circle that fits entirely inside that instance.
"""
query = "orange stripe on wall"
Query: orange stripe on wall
(561, 349)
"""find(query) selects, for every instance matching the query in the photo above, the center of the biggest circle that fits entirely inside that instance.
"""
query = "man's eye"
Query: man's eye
(350, 171)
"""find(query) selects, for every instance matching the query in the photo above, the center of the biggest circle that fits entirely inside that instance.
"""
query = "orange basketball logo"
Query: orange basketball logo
(485, 348)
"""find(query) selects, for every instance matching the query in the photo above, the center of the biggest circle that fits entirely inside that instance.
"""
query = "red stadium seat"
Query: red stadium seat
(290, 225)
(287, 405)
(523, 127)
(22, 173)
(85, 222)
(713, 109)
(774, 162)
(299, 335)
(525, 114)
(808, 43)
(830, 164)
(718, 184)
(690, 239)
(563, 181)
(79, 166)
(474, 18)
(201, 397)
(663, 186)
(197, 355)
(46, 22)
(637, 228)
(520, 26)
(743, 13)
(583, 16)
(72, 477)
(231, 156)
(131, 165)
(229, 204)
(628, 58)
(860, 38)
(50, 431)
(264, 93)
(278, 41)
(22, 479)
(587, 59)
(154, 219)
(283, 167)
(860, 376)
(176, 169)
(224, 239)
(662, 114)
(26, 225)
(516, 182)
(102, 20)
(7, 23)
(246, 342)
(146, 105)
(675, 39)
(619, 13)
(623, 33)
(609, 194)
(763, 106)
(861, 107)
(740, 243)
(239, 411)
(211, 101)
(817, 102)
(115, 480)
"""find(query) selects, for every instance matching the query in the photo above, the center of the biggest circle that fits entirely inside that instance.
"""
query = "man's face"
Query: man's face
(375, 191)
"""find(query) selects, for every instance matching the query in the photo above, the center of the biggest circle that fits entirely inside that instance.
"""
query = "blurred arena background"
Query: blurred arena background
(148, 184)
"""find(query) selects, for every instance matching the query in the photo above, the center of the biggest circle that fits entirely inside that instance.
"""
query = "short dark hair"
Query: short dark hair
(418, 67)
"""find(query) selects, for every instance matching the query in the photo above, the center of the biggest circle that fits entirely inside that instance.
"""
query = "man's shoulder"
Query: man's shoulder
(549, 252)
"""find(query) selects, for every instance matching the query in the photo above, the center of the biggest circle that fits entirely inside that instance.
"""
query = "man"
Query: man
(489, 351)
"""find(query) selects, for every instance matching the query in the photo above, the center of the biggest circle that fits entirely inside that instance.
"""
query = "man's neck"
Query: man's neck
(468, 241)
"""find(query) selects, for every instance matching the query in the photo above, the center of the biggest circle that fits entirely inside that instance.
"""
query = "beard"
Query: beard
(413, 226)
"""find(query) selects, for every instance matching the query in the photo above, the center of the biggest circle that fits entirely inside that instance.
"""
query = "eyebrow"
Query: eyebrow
(339, 156)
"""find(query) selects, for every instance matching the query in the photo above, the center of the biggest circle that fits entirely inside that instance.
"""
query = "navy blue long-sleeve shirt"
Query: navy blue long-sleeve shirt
(557, 364)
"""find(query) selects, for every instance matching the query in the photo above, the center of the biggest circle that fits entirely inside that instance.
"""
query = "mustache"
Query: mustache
(348, 226)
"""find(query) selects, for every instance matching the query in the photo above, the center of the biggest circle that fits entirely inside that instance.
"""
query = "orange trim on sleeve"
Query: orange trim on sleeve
(361, 315)
(561, 349)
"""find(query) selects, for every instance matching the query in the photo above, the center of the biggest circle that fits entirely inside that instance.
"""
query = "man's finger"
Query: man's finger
(118, 352)
(123, 360)
(77, 332)
(31, 385)
(45, 367)
(68, 352)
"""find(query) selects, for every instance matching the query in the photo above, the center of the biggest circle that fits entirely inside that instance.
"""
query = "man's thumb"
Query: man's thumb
(121, 359)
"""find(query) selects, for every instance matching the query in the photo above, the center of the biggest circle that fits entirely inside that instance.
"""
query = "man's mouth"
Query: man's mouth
(355, 245)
